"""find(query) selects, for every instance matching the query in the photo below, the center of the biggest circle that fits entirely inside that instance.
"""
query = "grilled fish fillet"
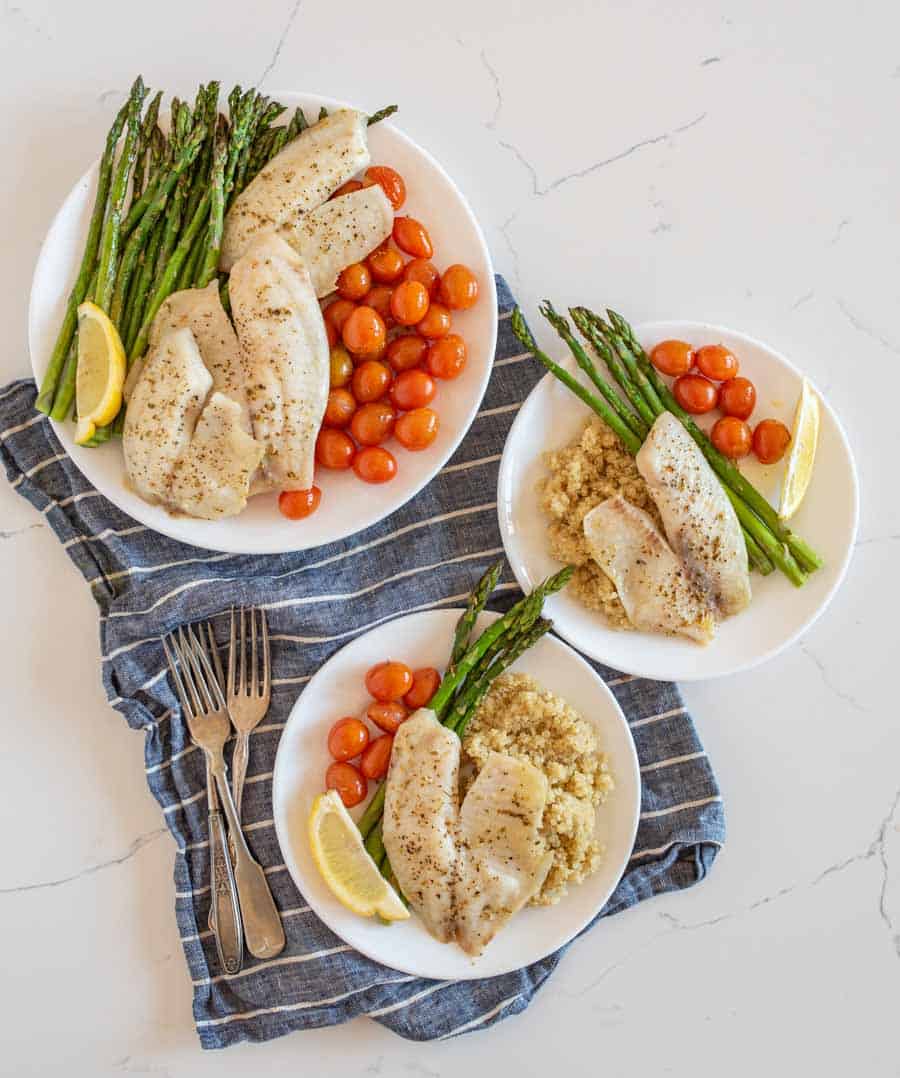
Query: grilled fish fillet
(699, 520)
(285, 358)
(421, 810)
(503, 860)
(342, 231)
(655, 589)
(296, 180)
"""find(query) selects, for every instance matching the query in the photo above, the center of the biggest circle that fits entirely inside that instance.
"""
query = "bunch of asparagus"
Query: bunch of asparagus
(473, 666)
(178, 189)
(770, 543)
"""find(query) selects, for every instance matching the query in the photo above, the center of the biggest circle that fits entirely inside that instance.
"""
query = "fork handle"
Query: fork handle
(226, 913)
(239, 768)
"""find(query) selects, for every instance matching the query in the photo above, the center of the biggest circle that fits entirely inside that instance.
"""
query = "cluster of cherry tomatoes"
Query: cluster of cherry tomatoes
(389, 328)
(396, 692)
(696, 373)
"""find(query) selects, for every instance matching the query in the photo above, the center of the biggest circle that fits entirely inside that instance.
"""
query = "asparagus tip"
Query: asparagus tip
(521, 330)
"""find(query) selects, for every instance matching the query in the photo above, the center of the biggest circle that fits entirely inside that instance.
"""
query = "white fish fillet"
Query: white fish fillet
(285, 357)
(163, 410)
(699, 520)
(298, 179)
(653, 584)
(342, 231)
(421, 809)
(212, 478)
(503, 858)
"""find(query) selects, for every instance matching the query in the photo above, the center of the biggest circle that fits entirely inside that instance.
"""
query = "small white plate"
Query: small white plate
(337, 689)
(348, 505)
(552, 417)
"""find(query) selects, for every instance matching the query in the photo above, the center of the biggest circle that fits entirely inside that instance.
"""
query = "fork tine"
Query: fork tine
(188, 674)
(210, 683)
(242, 657)
(203, 683)
(211, 650)
(266, 685)
(253, 678)
(232, 647)
(171, 653)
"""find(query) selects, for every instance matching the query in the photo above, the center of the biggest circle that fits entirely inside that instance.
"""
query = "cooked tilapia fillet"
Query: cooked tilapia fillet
(298, 179)
(342, 231)
(699, 520)
(503, 860)
(212, 477)
(421, 810)
(284, 352)
(162, 413)
(654, 586)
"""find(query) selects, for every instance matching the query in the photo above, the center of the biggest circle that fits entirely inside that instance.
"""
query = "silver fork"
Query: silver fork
(249, 688)
(207, 718)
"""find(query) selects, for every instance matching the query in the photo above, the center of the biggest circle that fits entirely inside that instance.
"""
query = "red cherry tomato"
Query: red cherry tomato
(732, 437)
(347, 188)
(390, 181)
(425, 272)
(459, 287)
(412, 389)
(349, 782)
(347, 738)
(406, 352)
(385, 264)
(387, 716)
(373, 423)
(364, 333)
(770, 441)
(411, 236)
(371, 380)
(695, 393)
(737, 397)
(354, 281)
(331, 333)
(375, 464)
(340, 408)
(341, 366)
(417, 429)
(379, 299)
(436, 322)
(334, 449)
(409, 303)
(337, 313)
(377, 757)
(297, 504)
(426, 683)
(388, 681)
(672, 357)
(446, 357)
(716, 362)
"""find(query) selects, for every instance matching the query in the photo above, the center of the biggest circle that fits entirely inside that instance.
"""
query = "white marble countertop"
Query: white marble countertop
(728, 160)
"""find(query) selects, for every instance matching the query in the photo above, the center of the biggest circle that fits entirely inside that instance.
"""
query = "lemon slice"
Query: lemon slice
(100, 374)
(804, 437)
(345, 864)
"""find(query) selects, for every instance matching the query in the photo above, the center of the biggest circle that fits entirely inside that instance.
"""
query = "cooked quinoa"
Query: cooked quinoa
(582, 475)
(522, 719)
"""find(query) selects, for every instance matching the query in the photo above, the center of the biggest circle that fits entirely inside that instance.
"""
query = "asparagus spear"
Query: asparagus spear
(381, 114)
(474, 606)
(147, 128)
(217, 216)
(64, 398)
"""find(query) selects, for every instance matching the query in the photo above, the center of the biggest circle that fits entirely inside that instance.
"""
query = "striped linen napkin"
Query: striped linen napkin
(428, 554)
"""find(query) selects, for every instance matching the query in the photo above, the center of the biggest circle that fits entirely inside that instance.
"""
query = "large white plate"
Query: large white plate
(348, 505)
(425, 639)
(552, 417)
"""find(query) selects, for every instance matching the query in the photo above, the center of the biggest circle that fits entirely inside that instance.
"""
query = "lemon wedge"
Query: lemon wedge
(351, 874)
(100, 374)
(804, 437)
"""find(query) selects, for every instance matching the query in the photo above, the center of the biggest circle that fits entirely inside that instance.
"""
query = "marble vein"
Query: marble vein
(866, 329)
(19, 531)
(829, 684)
(279, 45)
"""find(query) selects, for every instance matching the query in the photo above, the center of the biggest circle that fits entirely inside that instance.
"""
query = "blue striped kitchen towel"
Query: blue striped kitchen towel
(428, 554)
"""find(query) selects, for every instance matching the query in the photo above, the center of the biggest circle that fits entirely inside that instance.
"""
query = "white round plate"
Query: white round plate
(552, 417)
(337, 689)
(348, 505)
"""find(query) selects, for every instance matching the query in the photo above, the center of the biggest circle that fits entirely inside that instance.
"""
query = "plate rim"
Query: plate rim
(648, 328)
(471, 972)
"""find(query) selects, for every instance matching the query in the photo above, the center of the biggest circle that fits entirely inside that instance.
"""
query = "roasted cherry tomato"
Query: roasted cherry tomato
(695, 393)
(371, 380)
(390, 181)
(337, 313)
(331, 333)
(348, 188)
(347, 738)
(364, 333)
(377, 757)
(340, 408)
(389, 680)
(672, 357)
(426, 683)
(732, 437)
(425, 272)
(409, 303)
(297, 504)
(417, 429)
(716, 362)
(354, 281)
(459, 287)
(412, 389)
(446, 357)
(379, 299)
(411, 236)
(372, 423)
(334, 449)
(436, 322)
(349, 782)
(737, 397)
(375, 465)
(385, 264)
(341, 366)
(387, 716)
(406, 351)
(770, 441)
